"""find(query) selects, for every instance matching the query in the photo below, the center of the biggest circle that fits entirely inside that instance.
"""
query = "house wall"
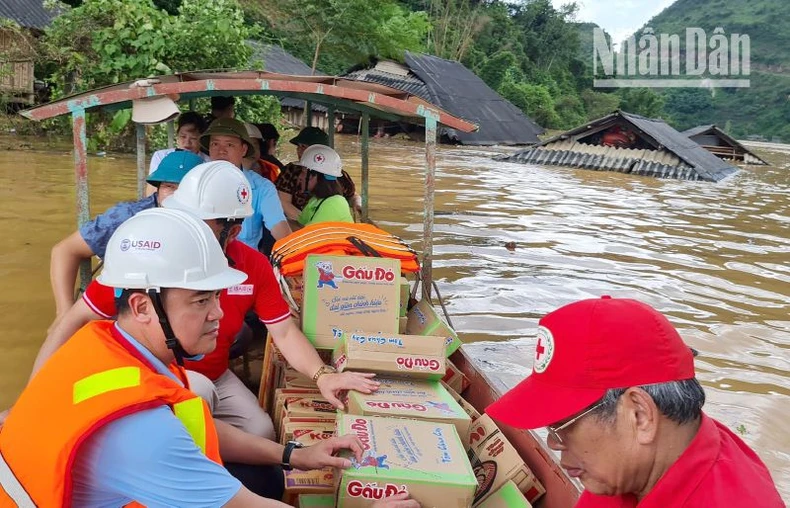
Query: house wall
(16, 68)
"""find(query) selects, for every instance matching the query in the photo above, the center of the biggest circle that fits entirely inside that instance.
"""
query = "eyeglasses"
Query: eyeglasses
(554, 432)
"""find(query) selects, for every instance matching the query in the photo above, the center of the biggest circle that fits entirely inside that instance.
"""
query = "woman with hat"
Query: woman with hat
(326, 203)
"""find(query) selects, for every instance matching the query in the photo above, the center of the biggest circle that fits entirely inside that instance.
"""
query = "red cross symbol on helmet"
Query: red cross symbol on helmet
(319, 158)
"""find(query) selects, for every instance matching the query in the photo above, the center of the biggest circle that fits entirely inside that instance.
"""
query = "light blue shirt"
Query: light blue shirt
(266, 206)
(148, 457)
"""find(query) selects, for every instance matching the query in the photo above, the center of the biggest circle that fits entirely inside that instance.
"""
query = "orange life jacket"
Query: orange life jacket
(269, 170)
(96, 377)
(342, 239)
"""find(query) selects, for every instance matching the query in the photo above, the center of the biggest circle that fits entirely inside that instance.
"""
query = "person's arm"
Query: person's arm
(235, 445)
(286, 199)
(63, 267)
(75, 318)
(302, 356)
(281, 230)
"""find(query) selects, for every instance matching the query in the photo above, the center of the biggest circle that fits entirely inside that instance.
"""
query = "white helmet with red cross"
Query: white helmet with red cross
(322, 159)
(213, 190)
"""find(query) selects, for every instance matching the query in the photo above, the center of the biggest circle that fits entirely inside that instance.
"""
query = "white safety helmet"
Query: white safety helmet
(255, 135)
(213, 190)
(161, 248)
(322, 159)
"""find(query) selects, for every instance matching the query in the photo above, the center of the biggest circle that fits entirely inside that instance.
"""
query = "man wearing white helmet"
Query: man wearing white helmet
(219, 194)
(110, 419)
(326, 203)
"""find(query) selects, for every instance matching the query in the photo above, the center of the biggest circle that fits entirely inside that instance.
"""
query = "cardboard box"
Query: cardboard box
(316, 501)
(424, 459)
(455, 379)
(405, 292)
(350, 293)
(318, 481)
(424, 320)
(507, 496)
(495, 462)
(418, 357)
(414, 399)
(402, 322)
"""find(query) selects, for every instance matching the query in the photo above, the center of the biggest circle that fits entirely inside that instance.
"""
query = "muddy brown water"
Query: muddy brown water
(713, 257)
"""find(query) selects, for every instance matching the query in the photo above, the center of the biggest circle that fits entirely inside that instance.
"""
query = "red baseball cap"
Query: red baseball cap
(588, 347)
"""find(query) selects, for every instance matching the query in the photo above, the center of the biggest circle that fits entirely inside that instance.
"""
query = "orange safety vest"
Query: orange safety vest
(338, 238)
(96, 377)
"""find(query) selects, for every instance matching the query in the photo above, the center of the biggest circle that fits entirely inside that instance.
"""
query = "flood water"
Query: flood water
(713, 257)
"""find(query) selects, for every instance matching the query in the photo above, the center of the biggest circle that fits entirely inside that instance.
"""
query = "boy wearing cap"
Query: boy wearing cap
(190, 126)
(92, 237)
(226, 139)
(292, 183)
(614, 385)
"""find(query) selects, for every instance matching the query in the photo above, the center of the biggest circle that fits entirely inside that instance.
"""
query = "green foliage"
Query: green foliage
(104, 42)
(534, 100)
(334, 35)
(598, 104)
(641, 101)
(209, 34)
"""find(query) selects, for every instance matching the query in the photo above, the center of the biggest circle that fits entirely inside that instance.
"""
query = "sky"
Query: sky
(620, 18)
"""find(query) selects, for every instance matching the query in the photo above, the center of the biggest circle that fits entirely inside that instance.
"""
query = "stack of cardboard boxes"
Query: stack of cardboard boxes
(419, 435)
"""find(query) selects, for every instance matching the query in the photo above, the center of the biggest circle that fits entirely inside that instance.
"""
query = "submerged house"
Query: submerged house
(17, 81)
(722, 145)
(629, 143)
(457, 90)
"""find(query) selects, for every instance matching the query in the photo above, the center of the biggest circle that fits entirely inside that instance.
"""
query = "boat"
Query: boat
(337, 94)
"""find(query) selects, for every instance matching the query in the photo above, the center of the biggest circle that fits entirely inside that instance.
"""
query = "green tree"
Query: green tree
(346, 32)
(494, 70)
(598, 104)
(641, 101)
(534, 100)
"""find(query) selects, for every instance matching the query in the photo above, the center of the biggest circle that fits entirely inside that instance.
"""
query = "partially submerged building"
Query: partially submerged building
(629, 143)
(459, 91)
(722, 145)
(17, 80)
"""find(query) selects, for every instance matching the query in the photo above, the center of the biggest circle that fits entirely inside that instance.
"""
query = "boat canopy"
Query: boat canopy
(336, 93)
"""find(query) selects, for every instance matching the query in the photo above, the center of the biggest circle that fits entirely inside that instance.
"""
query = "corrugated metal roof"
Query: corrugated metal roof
(410, 83)
(696, 131)
(697, 163)
(457, 89)
(708, 166)
(28, 13)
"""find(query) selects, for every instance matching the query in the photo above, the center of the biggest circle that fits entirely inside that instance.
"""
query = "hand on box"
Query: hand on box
(332, 386)
(322, 454)
(397, 501)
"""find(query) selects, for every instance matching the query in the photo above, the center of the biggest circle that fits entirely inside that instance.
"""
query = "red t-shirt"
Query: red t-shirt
(717, 470)
(260, 292)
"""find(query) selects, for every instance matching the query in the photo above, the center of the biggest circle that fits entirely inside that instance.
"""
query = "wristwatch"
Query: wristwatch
(289, 448)
(325, 369)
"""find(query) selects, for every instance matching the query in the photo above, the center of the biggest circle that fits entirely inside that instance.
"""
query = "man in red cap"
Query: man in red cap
(614, 385)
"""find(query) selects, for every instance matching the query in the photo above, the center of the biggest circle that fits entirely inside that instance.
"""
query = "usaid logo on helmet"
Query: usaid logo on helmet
(140, 245)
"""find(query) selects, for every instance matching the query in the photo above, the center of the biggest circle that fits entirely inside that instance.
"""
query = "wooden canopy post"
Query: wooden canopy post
(365, 173)
(330, 124)
(430, 185)
(140, 161)
(308, 114)
(81, 180)
(171, 133)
